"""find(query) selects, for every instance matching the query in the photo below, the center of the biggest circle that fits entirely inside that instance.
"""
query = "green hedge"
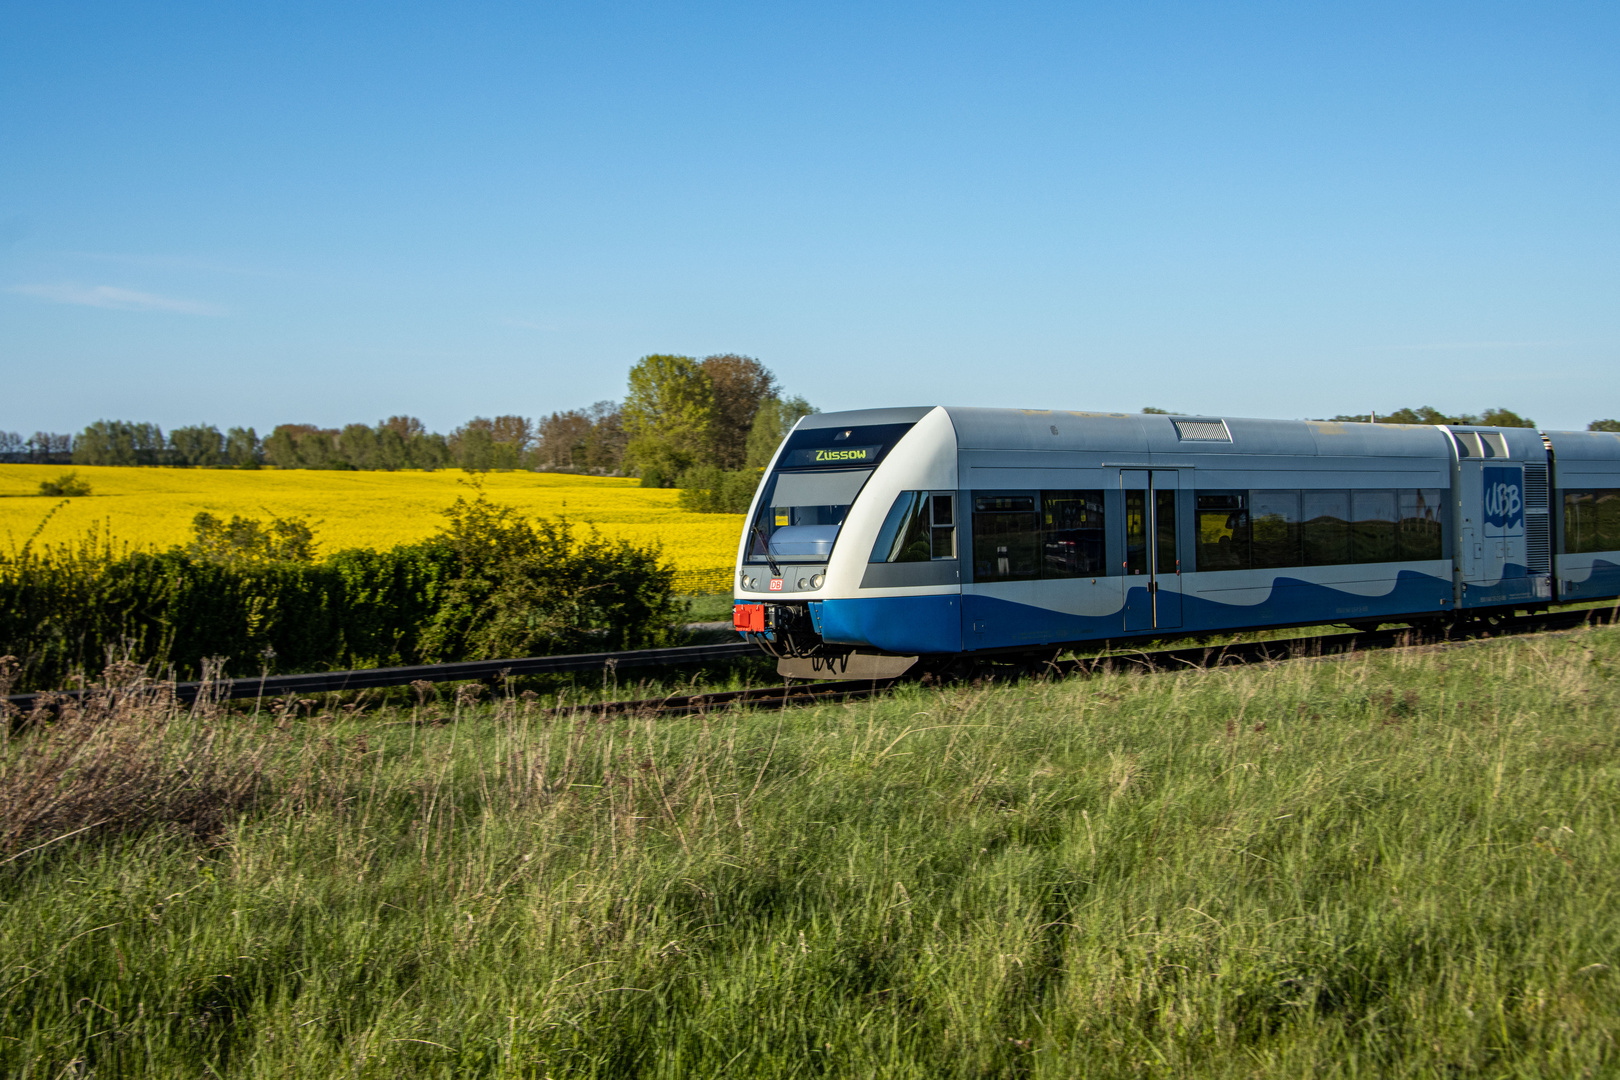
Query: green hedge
(491, 585)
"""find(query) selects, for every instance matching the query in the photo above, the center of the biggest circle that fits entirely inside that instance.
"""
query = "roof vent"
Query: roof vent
(1201, 430)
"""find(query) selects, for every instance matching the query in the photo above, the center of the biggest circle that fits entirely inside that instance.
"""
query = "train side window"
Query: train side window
(1419, 532)
(1591, 520)
(1374, 532)
(1274, 528)
(905, 533)
(1467, 444)
(1580, 522)
(1164, 543)
(1223, 531)
(942, 517)
(1325, 528)
(1006, 538)
(1072, 534)
(1608, 519)
(1136, 538)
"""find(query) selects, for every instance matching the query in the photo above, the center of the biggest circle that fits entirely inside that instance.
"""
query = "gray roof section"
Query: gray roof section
(1571, 446)
(1155, 434)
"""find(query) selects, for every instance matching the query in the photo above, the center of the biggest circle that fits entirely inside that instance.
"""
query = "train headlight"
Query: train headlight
(804, 583)
(817, 581)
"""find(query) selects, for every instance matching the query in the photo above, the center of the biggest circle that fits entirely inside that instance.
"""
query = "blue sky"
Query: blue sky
(323, 213)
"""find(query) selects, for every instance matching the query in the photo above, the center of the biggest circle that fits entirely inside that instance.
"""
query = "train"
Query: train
(880, 539)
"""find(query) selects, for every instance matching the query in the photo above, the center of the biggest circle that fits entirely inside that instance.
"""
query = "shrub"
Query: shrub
(525, 589)
(249, 540)
(491, 584)
(66, 486)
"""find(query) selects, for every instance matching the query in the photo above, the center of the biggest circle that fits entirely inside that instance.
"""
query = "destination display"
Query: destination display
(832, 455)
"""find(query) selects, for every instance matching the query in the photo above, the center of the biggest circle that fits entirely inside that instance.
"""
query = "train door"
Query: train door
(1152, 563)
(1503, 547)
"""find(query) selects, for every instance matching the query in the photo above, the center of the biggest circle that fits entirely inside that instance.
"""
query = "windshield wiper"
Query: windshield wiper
(765, 542)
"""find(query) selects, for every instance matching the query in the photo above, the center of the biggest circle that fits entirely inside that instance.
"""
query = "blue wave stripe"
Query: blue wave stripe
(935, 624)
(904, 625)
(1604, 582)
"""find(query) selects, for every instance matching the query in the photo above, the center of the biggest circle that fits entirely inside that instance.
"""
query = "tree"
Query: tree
(50, 448)
(404, 442)
(606, 448)
(1604, 425)
(516, 432)
(242, 449)
(1507, 418)
(430, 451)
(741, 385)
(482, 443)
(709, 490)
(406, 427)
(472, 446)
(105, 442)
(771, 424)
(360, 447)
(669, 414)
(1152, 411)
(303, 446)
(565, 440)
(111, 442)
(199, 446)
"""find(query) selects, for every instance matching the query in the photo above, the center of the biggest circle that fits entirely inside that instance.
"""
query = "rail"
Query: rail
(369, 678)
(1198, 656)
(1174, 659)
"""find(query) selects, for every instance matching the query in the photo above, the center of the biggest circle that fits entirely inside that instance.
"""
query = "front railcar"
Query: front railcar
(811, 586)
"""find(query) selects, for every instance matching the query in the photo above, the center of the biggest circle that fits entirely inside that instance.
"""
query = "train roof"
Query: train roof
(1157, 433)
(1585, 445)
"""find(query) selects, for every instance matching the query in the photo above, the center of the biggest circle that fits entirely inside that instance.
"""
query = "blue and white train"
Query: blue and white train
(884, 536)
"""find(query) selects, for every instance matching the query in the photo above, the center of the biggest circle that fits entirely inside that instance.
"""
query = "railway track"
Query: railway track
(367, 678)
(777, 697)
(1200, 656)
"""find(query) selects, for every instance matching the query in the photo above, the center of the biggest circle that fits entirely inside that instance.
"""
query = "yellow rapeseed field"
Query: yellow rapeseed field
(153, 508)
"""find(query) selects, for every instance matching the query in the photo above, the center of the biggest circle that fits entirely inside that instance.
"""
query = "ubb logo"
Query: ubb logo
(1504, 501)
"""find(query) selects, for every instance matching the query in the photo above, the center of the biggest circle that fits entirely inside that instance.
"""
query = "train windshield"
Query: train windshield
(804, 502)
(801, 513)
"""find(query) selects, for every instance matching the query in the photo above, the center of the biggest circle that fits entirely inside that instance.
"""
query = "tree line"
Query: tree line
(706, 426)
(724, 413)
(1428, 414)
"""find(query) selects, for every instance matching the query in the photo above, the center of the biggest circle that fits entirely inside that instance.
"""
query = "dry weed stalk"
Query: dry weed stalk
(121, 761)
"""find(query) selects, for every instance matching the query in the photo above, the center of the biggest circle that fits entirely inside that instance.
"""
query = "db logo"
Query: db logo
(776, 584)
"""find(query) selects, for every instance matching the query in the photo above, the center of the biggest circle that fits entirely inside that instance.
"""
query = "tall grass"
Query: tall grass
(1400, 864)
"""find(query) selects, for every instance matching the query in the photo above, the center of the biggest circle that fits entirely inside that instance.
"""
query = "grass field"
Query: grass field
(1391, 865)
(151, 507)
